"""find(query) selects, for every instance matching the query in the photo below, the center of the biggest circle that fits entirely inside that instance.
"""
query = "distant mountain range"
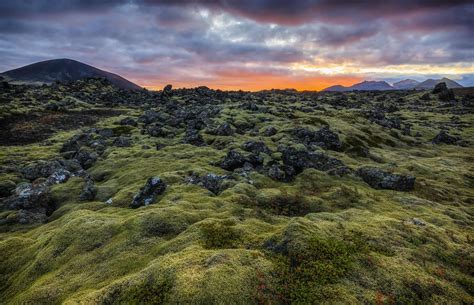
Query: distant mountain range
(49, 71)
(407, 84)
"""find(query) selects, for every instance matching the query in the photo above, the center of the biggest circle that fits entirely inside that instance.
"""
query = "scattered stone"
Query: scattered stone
(224, 129)
(122, 142)
(270, 131)
(418, 222)
(444, 138)
(324, 138)
(6, 188)
(106, 132)
(128, 121)
(233, 160)
(302, 159)
(211, 181)
(281, 172)
(380, 179)
(33, 197)
(193, 137)
(88, 191)
(256, 147)
(147, 194)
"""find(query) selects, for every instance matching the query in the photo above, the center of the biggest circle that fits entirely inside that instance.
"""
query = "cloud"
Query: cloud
(254, 44)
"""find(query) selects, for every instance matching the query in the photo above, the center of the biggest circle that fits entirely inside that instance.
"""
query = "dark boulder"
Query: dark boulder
(233, 160)
(193, 137)
(444, 94)
(86, 158)
(256, 147)
(56, 171)
(122, 142)
(211, 181)
(302, 159)
(147, 194)
(31, 196)
(128, 121)
(444, 138)
(149, 116)
(106, 132)
(281, 172)
(225, 129)
(380, 179)
(76, 142)
(6, 188)
(324, 138)
(88, 190)
(270, 131)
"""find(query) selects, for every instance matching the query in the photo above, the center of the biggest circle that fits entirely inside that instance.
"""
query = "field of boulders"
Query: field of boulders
(111, 196)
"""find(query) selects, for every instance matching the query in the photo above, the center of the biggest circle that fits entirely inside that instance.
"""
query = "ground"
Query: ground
(292, 221)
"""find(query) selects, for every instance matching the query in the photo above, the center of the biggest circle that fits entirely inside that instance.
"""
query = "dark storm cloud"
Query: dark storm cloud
(198, 41)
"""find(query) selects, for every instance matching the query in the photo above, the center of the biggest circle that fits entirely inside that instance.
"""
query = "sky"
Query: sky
(246, 44)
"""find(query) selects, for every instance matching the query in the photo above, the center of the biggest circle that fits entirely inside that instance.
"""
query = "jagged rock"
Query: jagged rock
(302, 159)
(40, 169)
(418, 222)
(444, 94)
(167, 91)
(147, 194)
(76, 142)
(324, 138)
(88, 190)
(281, 172)
(34, 197)
(122, 142)
(149, 116)
(444, 138)
(128, 121)
(6, 188)
(269, 131)
(193, 137)
(380, 179)
(249, 106)
(256, 147)
(160, 146)
(56, 171)
(378, 116)
(233, 160)
(86, 158)
(211, 181)
(224, 129)
(106, 132)
(157, 130)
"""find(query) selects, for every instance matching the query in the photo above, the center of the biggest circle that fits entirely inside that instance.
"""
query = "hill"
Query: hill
(431, 83)
(365, 85)
(406, 84)
(49, 71)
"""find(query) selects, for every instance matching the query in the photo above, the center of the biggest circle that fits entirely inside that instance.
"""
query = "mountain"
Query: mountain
(365, 85)
(406, 84)
(337, 88)
(53, 70)
(431, 83)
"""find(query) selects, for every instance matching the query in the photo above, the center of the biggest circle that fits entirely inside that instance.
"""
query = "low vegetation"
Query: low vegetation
(272, 197)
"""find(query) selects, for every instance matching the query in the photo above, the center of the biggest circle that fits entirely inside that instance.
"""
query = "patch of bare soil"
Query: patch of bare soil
(35, 127)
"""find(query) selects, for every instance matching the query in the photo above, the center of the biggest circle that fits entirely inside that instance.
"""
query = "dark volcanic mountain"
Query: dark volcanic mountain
(431, 83)
(406, 84)
(365, 85)
(49, 71)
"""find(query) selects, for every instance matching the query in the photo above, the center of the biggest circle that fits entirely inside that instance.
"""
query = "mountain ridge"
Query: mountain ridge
(407, 84)
(63, 69)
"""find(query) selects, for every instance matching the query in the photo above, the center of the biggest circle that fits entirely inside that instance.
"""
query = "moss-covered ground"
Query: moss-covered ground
(317, 239)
